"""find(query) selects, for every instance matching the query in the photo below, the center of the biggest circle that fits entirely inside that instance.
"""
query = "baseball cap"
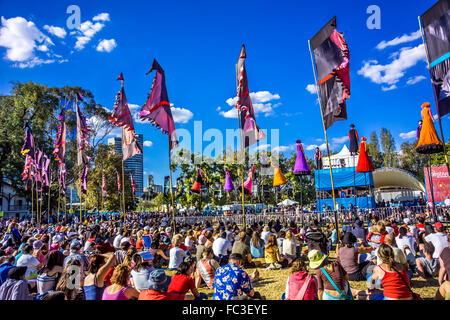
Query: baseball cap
(439, 226)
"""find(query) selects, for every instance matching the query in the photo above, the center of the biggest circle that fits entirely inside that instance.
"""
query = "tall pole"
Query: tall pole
(80, 198)
(32, 200)
(59, 201)
(49, 189)
(430, 181)
(123, 190)
(37, 204)
(242, 169)
(326, 138)
(435, 95)
(171, 188)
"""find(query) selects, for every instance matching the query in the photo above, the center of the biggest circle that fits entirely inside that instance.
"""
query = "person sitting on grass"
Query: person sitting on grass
(427, 266)
(257, 246)
(119, 289)
(206, 268)
(182, 282)
(394, 279)
(347, 254)
(141, 270)
(233, 283)
(332, 280)
(300, 285)
(243, 249)
(290, 247)
(157, 289)
(272, 254)
(176, 254)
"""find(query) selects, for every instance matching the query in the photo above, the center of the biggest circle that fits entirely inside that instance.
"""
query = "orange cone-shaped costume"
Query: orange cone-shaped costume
(196, 187)
(278, 177)
(429, 141)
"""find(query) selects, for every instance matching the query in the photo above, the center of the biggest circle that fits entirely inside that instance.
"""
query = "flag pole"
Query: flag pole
(326, 138)
(59, 202)
(171, 190)
(123, 190)
(32, 200)
(435, 96)
(49, 187)
(242, 169)
(37, 204)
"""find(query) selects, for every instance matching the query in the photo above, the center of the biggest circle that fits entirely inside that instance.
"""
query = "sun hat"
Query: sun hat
(316, 258)
(37, 244)
(407, 221)
(202, 239)
(146, 255)
(168, 230)
(158, 280)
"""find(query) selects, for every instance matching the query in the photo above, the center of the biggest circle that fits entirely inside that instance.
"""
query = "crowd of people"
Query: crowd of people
(147, 257)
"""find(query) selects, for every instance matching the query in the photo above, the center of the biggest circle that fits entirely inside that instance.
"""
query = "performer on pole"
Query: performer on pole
(318, 159)
(429, 141)
(354, 140)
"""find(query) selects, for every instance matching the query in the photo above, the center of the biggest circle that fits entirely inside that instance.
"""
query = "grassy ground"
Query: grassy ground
(273, 283)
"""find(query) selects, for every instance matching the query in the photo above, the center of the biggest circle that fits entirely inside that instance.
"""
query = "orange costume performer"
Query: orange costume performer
(278, 177)
(429, 141)
(364, 162)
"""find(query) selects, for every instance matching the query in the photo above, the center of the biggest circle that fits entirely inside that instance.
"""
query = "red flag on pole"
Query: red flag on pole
(119, 186)
(105, 194)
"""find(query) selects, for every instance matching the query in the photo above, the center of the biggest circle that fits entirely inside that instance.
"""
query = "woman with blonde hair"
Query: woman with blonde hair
(119, 289)
(176, 254)
(394, 278)
(140, 240)
(290, 246)
(272, 254)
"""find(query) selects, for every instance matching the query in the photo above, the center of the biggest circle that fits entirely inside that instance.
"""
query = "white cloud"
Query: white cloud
(56, 31)
(20, 38)
(408, 135)
(414, 80)
(36, 62)
(393, 87)
(262, 147)
(148, 143)
(263, 96)
(106, 45)
(219, 108)
(310, 147)
(311, 88)
(399, 40)
(284, 148)
(88, 29)
(262, 103)
(101, 17)
(340, 140)
(231, 114)
(391, 73)
(181, 115)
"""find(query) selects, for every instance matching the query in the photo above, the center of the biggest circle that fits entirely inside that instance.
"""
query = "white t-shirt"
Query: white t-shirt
(29, 261)
(176, 256)
(117, 240)
(221, 246)
(265, 236)
(447, 202)
(406, 241)
(439, 241)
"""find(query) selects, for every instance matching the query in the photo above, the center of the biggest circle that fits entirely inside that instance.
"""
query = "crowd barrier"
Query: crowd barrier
(346, 217)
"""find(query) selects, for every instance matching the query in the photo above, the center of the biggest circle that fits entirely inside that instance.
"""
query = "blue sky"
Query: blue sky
(198, 43)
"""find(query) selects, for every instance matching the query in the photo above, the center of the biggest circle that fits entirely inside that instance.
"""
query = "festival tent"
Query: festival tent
(287, 202)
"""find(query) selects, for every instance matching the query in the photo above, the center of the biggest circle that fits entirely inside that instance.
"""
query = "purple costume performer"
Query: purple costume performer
(228, 183)
(301, 165)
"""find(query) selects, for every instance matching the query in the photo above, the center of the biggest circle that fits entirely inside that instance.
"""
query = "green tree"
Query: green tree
(388, 147)
(412, 161)
(373, 149)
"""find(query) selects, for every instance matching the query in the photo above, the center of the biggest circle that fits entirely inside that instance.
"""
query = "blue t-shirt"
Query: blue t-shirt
(4, 269)
(230, 281)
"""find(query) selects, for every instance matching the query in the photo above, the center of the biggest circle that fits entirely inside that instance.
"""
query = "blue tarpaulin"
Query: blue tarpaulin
(342, 178)
(363, 203)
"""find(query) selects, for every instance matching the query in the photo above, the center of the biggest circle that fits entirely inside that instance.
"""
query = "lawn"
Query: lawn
(273, 283)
